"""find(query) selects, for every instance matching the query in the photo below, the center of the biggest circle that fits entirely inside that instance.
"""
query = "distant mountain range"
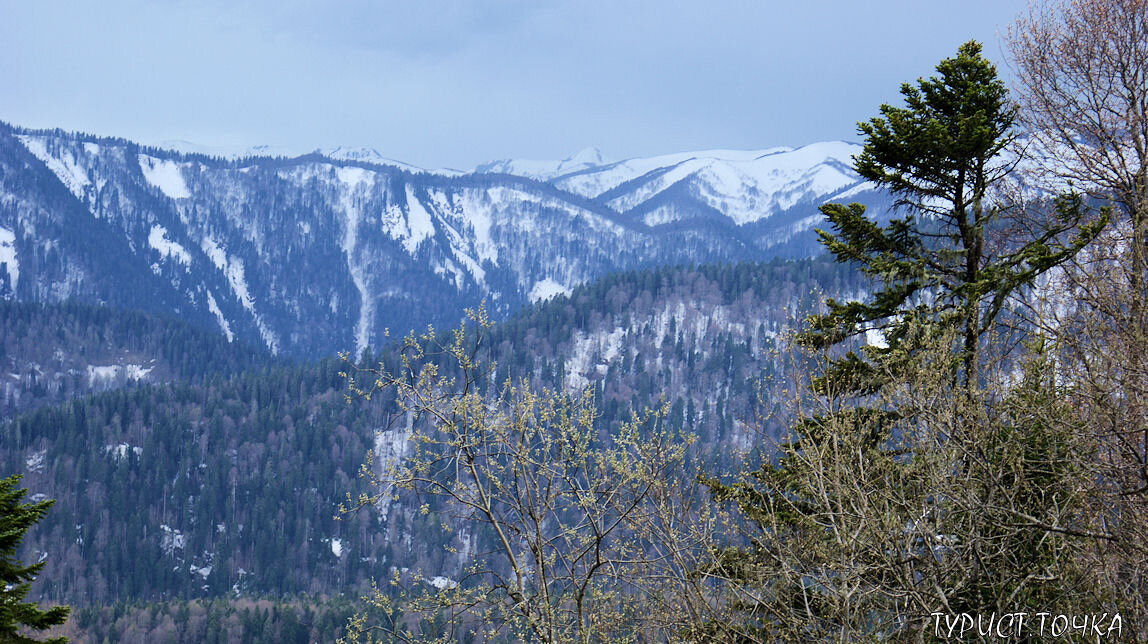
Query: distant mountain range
(326, 251)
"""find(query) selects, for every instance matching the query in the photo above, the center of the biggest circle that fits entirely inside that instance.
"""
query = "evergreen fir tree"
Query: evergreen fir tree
(948, 261)
(945, 268)
(15, 578)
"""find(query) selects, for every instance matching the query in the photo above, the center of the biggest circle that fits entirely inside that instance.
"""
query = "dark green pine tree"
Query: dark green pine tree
(950, 261)
(15, 578)
(945, 265)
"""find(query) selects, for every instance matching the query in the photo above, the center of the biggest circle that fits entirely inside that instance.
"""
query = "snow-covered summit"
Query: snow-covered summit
(374, 157)
(584, 159)
(744, 185)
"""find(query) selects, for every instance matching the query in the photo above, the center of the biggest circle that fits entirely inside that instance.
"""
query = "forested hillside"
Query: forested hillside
(223, 483)
(54, 352)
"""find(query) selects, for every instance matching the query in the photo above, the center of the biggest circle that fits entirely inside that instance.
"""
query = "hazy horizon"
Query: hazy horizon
(456, 85)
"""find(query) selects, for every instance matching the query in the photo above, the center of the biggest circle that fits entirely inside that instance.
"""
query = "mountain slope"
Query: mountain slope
(53, 352)
(312, 255)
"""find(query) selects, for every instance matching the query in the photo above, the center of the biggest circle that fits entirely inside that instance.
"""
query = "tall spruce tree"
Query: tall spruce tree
(16, 578)
(949, 260)
(882, 504)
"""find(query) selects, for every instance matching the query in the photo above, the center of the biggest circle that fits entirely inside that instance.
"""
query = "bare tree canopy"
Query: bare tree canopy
(1082, 68)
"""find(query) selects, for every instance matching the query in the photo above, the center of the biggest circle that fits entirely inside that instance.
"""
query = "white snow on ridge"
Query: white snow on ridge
(655, 185)
(748, 188)
(545, 170)
(74, 177)
(165, 175)
(597, 181)
(8, 256)
(372, 156)
(746, 185)
(158, 240)
(855, 190)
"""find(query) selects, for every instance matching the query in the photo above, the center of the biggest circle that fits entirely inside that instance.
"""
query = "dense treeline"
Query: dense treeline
(53, 352)
(194, 490)
(255, 621)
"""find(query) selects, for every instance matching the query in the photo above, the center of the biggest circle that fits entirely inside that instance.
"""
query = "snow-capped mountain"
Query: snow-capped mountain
(745, 186)
(324, 252)
(587, 159)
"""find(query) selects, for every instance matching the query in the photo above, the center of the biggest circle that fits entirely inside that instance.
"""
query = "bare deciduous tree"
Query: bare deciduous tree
(975, 504)
(1083, 70)
(1082, 66)
(581, 532)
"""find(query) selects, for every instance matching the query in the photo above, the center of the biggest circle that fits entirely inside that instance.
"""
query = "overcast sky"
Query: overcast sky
(441, 83)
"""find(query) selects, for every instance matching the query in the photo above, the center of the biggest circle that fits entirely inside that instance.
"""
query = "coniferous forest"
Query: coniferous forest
(931, 426)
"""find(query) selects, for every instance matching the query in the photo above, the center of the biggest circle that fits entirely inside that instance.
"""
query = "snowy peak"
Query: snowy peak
(582, 160)
(743, 185)
(372, 156)
(585, 159)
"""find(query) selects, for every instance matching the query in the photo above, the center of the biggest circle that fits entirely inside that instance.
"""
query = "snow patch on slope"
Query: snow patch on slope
(545, 289)
(419, 223)
(165, 175)
(111, 373)
(591, 353)
(232, 268)
(8, 256)
(391, 446)
(120, 451)
(213, 306)
(74, 177)
(477, 212)
(35, 461)
(158, 240)
(171, 539)
(353, 178)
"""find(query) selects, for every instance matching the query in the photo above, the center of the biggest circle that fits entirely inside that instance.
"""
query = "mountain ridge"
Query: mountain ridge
(311, 255)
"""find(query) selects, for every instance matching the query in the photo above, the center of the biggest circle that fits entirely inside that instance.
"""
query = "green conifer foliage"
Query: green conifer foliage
(16, 578)
(884, 502)
(949, 260)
